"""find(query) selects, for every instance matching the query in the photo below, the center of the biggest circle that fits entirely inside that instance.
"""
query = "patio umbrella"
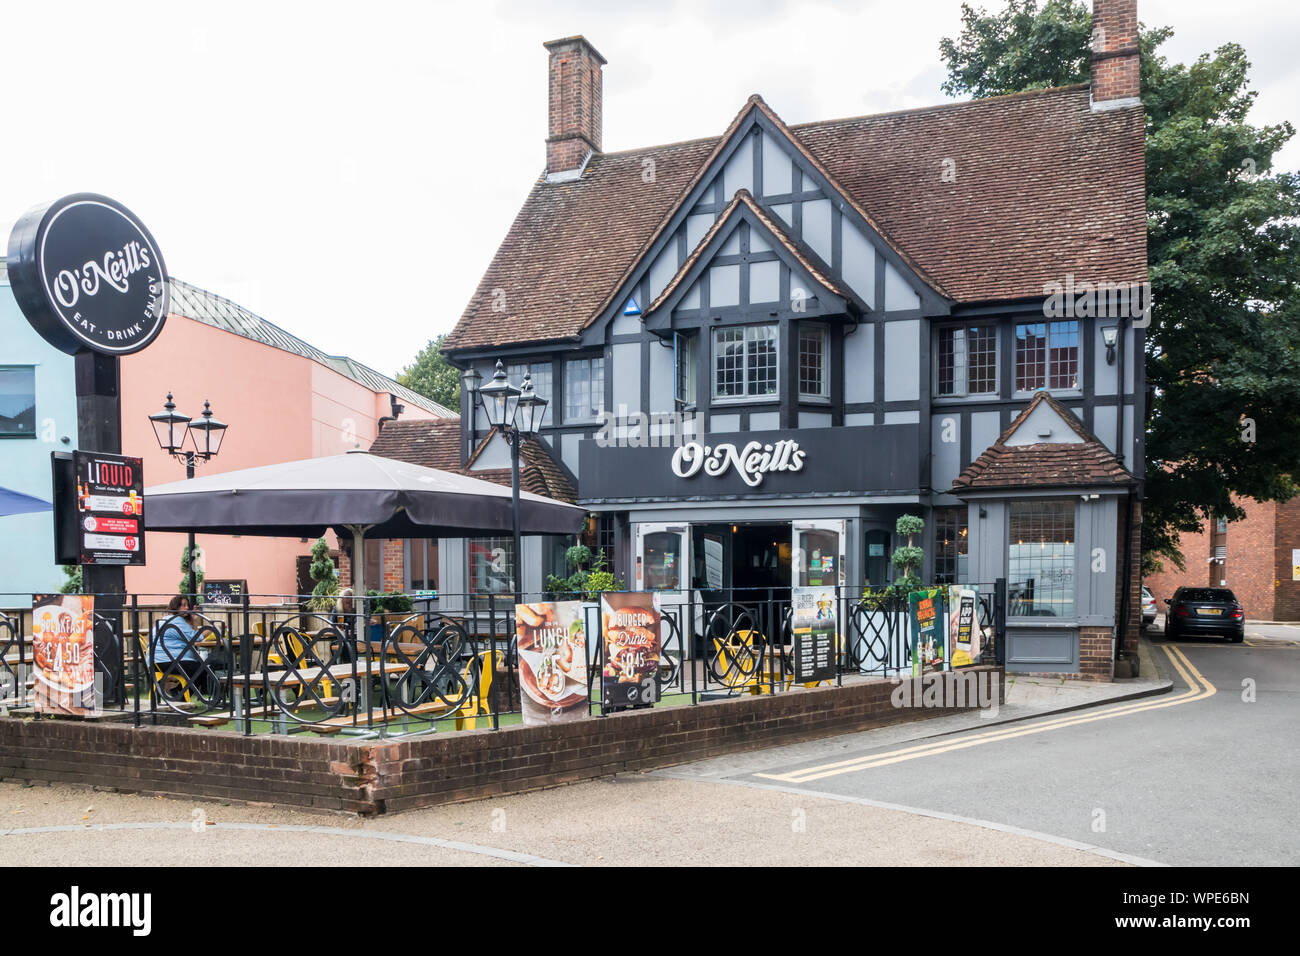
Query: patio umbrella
(17, 503)
(357, 494)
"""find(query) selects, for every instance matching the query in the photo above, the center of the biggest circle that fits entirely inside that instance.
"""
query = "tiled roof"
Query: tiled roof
(219, 312)
(1043, 465)
(436, 444)
(1038, 185)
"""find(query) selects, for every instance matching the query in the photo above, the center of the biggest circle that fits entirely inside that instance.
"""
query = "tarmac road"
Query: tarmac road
(1204, 775)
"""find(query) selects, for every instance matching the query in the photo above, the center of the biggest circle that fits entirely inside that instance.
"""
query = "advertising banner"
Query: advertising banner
(552, 644)
(110, 508)
(929, 629)
(631, 623)
(63, 650)
(964, 626)
(813, 626)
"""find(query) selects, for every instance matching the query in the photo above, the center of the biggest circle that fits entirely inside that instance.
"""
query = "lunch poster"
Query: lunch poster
(631, 623)
(552, 645)
(929, 629)
(63, 648)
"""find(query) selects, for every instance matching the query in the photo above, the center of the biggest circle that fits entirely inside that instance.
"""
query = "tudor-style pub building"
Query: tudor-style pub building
(802, 332)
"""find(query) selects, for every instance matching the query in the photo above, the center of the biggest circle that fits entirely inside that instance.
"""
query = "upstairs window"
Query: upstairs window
(814, 362)
(745, 362)
(584, 389)
(18, 401)
(966, 361)
(1047, 355)
(684, 368)
(540, 373)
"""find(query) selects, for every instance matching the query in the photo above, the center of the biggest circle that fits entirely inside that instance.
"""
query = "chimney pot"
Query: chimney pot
(574, 115)
(1116, 69)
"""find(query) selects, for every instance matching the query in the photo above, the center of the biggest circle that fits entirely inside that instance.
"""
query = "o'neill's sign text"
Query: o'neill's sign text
(752, 463)
(88, 275)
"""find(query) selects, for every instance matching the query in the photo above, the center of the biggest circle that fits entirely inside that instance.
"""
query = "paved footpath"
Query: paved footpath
(689, 815)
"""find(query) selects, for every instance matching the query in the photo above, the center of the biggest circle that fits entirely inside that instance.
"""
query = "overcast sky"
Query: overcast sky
(347, 170)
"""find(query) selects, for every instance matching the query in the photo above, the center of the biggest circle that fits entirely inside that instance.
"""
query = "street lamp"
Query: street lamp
(516, 412)
(171, 427)
(469, 383)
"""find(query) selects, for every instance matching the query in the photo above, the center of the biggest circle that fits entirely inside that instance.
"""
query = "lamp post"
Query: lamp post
(171, 427)
(516, 412)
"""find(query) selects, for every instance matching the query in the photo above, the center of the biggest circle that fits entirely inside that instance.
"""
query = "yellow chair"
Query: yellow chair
(477, 706)
(160, 677)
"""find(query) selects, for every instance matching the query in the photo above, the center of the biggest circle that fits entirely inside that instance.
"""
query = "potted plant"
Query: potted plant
(589, 577)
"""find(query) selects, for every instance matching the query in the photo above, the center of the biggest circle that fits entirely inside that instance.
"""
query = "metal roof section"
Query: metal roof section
(219, 312)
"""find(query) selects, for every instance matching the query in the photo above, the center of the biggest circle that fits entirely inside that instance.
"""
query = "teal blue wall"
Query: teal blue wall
(27, 541)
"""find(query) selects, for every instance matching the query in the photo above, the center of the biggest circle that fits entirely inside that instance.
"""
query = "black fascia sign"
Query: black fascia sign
(88, 275)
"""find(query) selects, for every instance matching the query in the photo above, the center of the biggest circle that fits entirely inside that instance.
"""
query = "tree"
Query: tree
(433, 376)
(326, 576)
(907, 558)
(1223, 230)
(184, 586)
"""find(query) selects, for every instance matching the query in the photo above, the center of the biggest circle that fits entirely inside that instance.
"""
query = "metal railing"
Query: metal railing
(449, 663)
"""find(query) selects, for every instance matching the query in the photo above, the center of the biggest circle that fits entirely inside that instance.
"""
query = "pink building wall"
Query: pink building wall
(280, 406)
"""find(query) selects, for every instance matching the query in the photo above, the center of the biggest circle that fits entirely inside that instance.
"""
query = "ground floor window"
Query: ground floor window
(951, 537)
(421, 557)
(374, 566)
(491, 566)
(1040, 565)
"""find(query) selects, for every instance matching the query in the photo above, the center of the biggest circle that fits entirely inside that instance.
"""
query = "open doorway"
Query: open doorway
(741, 556)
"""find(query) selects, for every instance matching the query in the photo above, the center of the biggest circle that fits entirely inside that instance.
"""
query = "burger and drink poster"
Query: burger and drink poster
(63, 648)
(110, 508)
(631, 623)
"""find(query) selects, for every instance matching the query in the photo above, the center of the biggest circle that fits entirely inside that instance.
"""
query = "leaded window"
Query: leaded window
(541, 378)
(1047, 355)
(745, 361)
(584, 389)
(1041, 559)
(951, 537)
(966, 360)
(814, 360)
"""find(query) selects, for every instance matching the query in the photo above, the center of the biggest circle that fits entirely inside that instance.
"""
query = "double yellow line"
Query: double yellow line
(1198, 688)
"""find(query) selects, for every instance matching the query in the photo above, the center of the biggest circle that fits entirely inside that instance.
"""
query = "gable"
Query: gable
(758, 156)
(1045, 425)
(748, 262)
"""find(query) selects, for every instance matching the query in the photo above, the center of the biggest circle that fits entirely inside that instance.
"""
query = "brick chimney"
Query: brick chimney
(1116, 64)
(573, 130)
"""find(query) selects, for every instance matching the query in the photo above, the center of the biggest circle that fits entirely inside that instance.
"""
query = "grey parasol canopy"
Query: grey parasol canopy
(357, 494)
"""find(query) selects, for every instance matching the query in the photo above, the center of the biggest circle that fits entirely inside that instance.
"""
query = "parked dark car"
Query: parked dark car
(1205, 611)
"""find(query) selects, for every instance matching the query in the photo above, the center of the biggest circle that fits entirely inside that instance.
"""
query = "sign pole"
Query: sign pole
(99, 428)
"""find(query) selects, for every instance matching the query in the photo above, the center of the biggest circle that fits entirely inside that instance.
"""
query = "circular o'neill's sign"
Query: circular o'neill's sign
(88, 275)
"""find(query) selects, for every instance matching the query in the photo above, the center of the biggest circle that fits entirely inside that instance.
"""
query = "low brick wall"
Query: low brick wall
(376, 776)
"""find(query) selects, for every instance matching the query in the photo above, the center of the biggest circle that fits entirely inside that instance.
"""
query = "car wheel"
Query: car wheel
(1237, 638)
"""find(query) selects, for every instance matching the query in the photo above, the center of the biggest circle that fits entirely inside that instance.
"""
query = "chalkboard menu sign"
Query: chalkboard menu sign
(814, 634)
(110, 508)
(217, 591)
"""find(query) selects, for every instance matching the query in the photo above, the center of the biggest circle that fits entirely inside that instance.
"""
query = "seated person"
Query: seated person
(170, 646)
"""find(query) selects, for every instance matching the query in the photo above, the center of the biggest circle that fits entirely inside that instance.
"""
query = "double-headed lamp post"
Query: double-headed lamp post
(171, 427)
(516, 412)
